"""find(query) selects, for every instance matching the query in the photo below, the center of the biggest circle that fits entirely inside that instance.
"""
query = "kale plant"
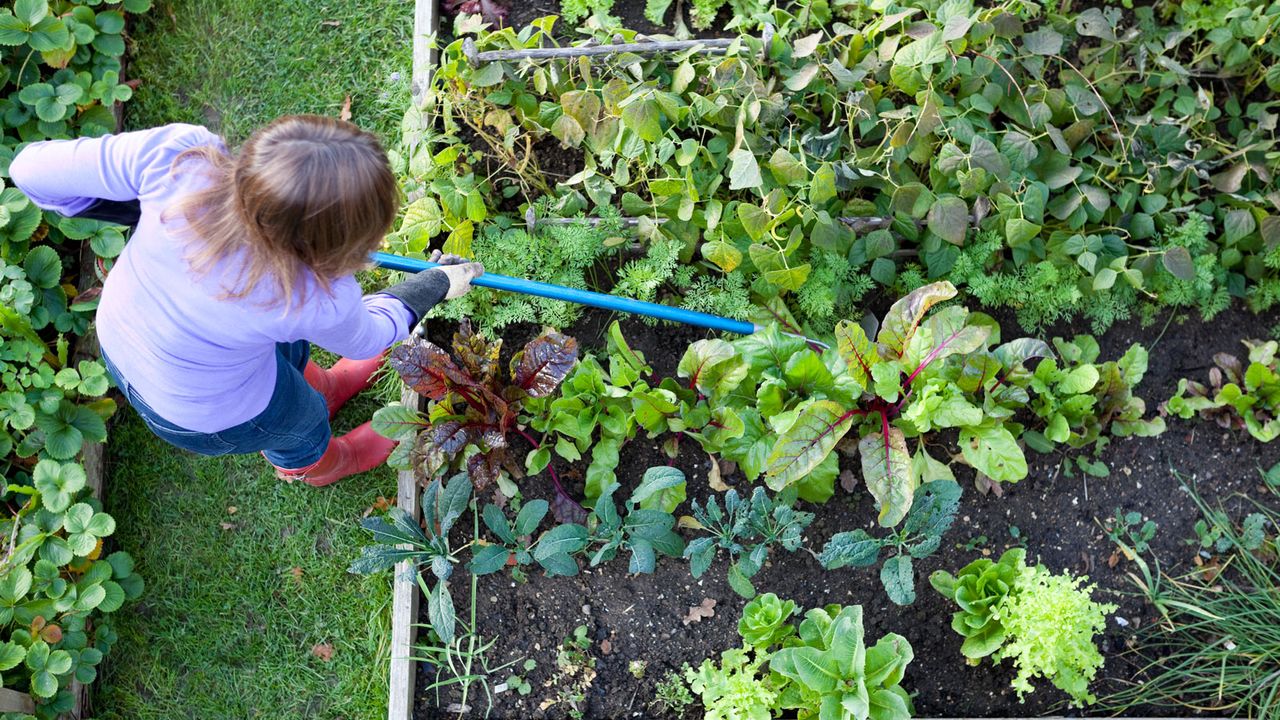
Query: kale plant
(745, 530)
(645, 529)
(919, 537)
(517, 546)
(443, 503)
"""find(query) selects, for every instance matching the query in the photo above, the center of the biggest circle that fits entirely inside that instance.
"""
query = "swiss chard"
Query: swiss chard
(918, 374)
(598, 410)
(473, 409)
(1236, 397)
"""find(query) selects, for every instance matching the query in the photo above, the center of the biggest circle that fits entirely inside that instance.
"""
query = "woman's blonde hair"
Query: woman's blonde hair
(304, 193)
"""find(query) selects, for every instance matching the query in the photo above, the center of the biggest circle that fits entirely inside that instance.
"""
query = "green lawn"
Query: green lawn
(237, 602)
(233, 65)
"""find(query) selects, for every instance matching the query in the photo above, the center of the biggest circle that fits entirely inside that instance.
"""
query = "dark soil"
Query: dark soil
(1056, 517)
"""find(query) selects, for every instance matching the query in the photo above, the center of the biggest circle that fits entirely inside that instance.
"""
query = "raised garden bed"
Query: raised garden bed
(633, 627)
(1056, 518)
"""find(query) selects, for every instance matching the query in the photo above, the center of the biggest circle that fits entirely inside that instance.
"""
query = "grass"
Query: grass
(237, 602)
(240, 605)
(233, 65)
(1217, 647)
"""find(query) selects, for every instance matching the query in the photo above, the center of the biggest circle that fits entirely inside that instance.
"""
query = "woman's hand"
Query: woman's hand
(459, 271)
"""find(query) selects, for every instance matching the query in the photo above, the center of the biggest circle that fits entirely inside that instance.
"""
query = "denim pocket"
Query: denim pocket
(196, 442)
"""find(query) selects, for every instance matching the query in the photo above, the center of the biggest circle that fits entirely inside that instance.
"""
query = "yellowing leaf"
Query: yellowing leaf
(886, 468)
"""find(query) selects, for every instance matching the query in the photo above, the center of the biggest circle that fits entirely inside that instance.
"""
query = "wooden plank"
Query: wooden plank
(404, 600)
(426, 20)
(405, 592)
(13, 701)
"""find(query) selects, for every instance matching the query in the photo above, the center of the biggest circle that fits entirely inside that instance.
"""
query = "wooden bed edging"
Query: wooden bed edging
(405, 592)
(404, 599)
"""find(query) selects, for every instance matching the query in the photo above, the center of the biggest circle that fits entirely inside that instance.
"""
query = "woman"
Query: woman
(238, 262)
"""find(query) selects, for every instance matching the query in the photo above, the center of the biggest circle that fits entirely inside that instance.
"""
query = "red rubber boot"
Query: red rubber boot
(358, 451)
(341, 382)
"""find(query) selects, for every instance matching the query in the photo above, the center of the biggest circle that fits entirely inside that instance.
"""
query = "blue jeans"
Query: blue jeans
(292, 432)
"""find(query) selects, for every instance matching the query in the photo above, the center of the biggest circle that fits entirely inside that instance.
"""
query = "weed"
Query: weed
(1130, 530)
(672, 693)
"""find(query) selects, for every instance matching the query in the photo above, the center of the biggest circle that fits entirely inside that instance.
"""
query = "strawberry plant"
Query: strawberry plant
(58, 587)
(59, 78)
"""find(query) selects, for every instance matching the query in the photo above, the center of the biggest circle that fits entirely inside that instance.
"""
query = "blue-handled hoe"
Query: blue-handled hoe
(585, 297)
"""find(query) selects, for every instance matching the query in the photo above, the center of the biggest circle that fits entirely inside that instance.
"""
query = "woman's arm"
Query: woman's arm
(366, 328)
(72, 176)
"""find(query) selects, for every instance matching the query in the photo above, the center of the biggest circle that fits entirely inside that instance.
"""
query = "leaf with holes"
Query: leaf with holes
(543, 364)
(994, 452)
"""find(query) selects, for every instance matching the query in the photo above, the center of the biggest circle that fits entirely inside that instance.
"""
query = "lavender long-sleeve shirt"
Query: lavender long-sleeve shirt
(200, 360)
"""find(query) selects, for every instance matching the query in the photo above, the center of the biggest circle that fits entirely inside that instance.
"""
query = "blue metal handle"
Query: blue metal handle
(580, 297)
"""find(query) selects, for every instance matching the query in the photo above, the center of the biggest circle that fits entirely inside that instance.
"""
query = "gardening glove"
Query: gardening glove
(425, 290)
(116, 212)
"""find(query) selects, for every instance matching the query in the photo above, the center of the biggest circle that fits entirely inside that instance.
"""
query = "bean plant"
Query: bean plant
(1057, 164)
